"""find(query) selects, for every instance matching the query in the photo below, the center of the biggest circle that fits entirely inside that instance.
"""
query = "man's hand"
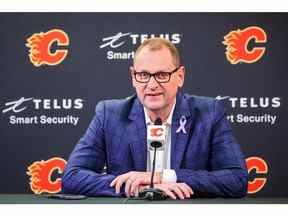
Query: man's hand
(174, 190)
(133, 180)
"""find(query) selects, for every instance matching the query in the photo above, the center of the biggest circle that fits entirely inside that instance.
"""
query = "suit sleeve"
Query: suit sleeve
(228, 176)
(83, 172)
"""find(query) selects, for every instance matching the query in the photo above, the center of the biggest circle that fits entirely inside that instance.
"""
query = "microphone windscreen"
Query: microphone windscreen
(158, 121)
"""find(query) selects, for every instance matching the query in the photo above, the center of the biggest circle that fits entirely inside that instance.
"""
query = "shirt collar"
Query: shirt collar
(168, 121)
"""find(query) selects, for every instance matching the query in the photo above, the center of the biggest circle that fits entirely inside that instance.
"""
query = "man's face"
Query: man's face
(156, 96)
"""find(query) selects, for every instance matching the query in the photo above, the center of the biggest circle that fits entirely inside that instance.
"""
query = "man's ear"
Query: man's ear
(131, 71)
(181, 76)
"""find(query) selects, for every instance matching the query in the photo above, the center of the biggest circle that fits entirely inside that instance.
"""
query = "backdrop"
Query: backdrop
(55, 67)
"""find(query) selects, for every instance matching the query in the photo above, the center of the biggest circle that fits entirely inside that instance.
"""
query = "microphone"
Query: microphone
(156, 138)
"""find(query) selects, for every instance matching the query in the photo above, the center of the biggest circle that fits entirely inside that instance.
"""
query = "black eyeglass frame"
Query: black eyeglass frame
(154, 75)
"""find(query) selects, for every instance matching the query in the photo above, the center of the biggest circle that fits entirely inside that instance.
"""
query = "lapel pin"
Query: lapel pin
(182, 123)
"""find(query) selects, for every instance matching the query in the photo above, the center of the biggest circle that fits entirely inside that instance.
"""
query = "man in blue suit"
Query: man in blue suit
(201, 158)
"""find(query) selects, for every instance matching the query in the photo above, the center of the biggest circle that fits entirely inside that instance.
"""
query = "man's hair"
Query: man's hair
(155, 44)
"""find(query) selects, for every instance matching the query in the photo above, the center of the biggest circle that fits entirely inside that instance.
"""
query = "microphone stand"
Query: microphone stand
(153, 193)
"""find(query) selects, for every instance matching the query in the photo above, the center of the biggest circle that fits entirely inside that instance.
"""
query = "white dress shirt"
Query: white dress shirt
(163, 155)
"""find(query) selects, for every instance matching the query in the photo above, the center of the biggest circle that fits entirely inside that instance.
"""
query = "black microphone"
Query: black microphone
(156, 138)
(158, 121)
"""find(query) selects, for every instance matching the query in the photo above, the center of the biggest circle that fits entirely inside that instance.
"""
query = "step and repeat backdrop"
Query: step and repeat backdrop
(55, 67)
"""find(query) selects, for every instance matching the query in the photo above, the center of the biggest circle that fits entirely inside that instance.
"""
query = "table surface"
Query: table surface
(38, 199)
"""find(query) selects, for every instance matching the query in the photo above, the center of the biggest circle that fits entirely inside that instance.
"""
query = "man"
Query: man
(201, 156)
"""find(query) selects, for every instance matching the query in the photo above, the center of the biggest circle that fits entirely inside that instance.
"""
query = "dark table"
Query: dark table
(38, 199)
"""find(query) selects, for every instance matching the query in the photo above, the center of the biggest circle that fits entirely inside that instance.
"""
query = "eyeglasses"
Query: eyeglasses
(160, 77)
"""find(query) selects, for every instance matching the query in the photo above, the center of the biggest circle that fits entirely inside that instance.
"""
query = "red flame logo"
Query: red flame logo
(237, 43)
(40, 47)
(40, 172)
(261, 168)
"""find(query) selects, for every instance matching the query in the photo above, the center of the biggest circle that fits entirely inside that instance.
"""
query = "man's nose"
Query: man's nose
(152, 84)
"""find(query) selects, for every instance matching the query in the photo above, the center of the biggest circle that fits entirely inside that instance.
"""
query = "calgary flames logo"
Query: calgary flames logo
(156, 132)
(261, 168)
(40, 47)
(237, 43)
(41, 171)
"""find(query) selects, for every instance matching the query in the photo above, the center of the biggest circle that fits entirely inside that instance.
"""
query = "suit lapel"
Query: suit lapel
(137, 134)
(179, 140)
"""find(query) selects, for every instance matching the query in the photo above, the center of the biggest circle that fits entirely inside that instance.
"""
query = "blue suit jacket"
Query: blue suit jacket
(207, 158)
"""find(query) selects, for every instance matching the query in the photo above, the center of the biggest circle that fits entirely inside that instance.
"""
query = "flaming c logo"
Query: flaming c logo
(40, 47)
(237, 43)
(261, 168)
(40, 172)
(156, 132)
